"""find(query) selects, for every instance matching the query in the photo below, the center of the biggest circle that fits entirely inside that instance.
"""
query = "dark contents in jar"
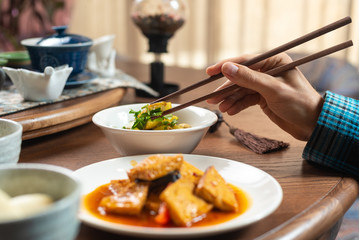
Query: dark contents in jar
(158, 24)
(158, 29)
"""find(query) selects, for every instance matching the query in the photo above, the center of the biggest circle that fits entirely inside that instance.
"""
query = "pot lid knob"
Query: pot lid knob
(61, 38)
(60, 29)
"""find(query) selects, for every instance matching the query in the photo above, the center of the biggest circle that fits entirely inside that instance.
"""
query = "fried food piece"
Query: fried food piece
(155, 166)
(189, 171)
(181, 126)
(214, 189)
(169, 122)
(128, 198)
(184, 207)
(163, 106)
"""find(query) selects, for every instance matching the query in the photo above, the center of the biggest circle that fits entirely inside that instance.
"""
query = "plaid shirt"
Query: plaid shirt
(335, 140)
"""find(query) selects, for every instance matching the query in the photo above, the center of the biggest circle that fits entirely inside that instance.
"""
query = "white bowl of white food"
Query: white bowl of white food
(38, 201)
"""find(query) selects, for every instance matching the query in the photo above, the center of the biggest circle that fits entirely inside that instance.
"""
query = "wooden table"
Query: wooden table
(314, 200)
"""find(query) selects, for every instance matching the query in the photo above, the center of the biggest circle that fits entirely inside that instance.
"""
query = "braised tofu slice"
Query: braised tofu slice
(155, 166)
(214, 189)
(128, 198)
(189, 171)
(184, 207)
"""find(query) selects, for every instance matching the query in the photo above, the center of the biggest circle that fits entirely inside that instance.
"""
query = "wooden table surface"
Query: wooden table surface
(314, 199)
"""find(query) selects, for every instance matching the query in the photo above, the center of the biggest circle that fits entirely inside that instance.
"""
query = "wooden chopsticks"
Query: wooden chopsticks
(272, 72)
(305, 38)
(258, 58)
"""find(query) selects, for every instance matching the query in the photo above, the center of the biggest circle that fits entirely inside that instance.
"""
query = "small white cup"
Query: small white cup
(102, 47)
(10, 141)
(101, 58)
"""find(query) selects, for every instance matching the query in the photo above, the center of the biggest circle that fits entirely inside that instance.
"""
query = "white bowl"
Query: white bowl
(10, 141)
(59, 220)
(134, 142)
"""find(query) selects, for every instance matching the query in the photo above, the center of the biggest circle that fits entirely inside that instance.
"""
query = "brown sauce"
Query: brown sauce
(145, 219)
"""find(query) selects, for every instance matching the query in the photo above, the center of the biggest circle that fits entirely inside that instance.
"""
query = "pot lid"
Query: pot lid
(61, 38)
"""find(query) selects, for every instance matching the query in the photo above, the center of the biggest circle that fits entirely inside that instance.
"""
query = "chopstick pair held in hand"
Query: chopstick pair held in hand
(273, 72)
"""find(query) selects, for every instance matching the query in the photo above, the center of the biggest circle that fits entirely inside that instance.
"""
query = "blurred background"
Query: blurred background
(213, 30)
(218, 29)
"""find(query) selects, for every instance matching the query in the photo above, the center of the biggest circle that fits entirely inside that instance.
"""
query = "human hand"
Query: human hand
(288, 100)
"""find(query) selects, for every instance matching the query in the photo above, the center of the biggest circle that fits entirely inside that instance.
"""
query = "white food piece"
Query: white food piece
(23, 205)
(7, 212)
(30, 204)
(4, 197)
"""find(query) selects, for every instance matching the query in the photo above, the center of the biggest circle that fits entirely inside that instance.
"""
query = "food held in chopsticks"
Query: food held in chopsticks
(167, 191)
(144, 118)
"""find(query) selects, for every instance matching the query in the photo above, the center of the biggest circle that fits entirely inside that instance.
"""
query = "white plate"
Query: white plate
(263, 190)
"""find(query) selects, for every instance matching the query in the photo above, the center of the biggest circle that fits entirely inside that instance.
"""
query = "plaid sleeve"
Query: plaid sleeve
(335, 140)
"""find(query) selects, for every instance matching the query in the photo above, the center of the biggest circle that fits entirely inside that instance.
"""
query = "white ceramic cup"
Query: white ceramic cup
(10, 141)
(102, 47)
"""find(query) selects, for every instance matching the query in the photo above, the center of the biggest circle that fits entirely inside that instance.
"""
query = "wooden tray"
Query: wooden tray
(52, 118)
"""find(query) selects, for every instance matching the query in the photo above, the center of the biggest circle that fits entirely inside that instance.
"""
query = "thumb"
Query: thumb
(248, 78)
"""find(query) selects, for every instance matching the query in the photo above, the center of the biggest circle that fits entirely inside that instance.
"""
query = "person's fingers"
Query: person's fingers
(216, 68)
(262, 66)
(233, 98)
(246, 78)
(220, 98)
(251, 79)
(273, 62)
(243, 103)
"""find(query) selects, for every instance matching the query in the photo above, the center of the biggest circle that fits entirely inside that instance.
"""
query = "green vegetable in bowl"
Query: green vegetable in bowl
(143, 117)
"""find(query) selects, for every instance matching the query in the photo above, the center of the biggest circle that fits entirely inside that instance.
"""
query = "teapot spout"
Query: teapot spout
(61, 72)
(13, 74)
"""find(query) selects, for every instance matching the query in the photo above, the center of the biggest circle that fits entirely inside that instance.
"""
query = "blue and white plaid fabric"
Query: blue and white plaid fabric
(335, 140)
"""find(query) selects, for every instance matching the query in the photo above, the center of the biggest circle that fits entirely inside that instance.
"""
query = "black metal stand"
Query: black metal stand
(157, 82)
(158, 29)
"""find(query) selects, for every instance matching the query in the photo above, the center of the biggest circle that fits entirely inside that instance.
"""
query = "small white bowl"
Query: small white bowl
(36, 86)
(134, 142)
(59, 220)
(10, 141)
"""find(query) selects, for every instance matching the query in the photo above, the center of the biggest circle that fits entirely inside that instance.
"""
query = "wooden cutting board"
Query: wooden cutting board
(52, 118)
